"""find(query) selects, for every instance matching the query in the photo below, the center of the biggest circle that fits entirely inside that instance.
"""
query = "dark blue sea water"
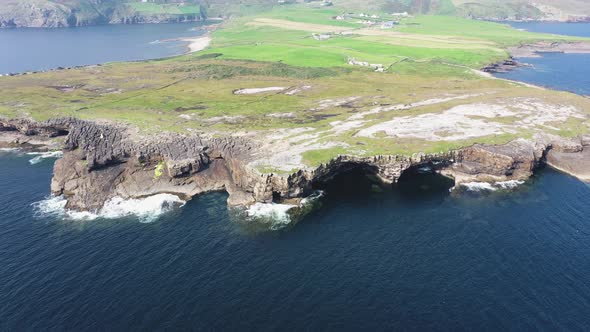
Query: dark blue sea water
(405, 259)
(569, 72)
(42, 49)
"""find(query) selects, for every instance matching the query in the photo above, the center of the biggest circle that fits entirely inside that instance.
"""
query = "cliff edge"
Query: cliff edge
(103, 160)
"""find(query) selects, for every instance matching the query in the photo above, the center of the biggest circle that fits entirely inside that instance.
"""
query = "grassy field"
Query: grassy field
(285, 35)
(163, 9)
(429, 99)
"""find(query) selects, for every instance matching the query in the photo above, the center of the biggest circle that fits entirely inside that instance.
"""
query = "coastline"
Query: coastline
(185, 45)
(132, 167)
(198, 44)
(90, 173)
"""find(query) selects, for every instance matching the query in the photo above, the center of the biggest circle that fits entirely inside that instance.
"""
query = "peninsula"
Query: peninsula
(284, 100)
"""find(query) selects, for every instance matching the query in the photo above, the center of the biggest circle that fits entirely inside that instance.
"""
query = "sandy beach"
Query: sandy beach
(198, 44)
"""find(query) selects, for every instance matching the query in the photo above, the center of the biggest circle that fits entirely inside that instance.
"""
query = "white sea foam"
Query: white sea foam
(147, 209)
(478, 186)
(40, 156)
(9, 149)
(485, 186)
(506, 185)
(278, 214)
(312, 198)
(425, 170)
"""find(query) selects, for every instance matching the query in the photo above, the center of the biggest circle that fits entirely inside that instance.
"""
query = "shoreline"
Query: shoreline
(191, 165)
(531, 51)
(197, 44)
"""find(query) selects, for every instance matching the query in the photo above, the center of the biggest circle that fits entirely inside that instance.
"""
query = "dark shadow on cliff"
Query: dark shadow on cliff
(359, 182)
(422, 182)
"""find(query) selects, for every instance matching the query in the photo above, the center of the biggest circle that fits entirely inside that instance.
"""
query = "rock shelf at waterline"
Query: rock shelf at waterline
(105, 162)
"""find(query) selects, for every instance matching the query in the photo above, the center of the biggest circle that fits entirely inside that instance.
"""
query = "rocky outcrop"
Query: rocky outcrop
(56, 14)
(103, 160)
(537, 49)
(33, 136)
(571, 157)
(15, 14)
(502, 66)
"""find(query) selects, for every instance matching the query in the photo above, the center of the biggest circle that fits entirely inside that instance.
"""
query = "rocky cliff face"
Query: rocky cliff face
(51, 14)
(103, 160)
(31, 14)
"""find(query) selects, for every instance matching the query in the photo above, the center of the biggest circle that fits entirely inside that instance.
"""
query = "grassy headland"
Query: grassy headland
(429, 97)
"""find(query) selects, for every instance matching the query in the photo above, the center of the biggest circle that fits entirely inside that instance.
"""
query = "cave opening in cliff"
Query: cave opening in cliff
(61, 132)
(276, 197)
(423, 180)
(350, 180)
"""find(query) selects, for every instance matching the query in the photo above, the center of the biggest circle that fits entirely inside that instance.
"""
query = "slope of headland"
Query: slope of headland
(68, 13)
(71, 13)
(285, 100)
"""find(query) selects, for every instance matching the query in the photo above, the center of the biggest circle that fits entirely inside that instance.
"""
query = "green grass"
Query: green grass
(502, 34)
(472, 44)
(317, 157)
(309, 15)
(167, 9)
(194, 93)
(159, 170)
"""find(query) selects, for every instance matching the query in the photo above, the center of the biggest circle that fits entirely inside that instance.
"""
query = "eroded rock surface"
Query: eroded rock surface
(103, 160)
(572, 157)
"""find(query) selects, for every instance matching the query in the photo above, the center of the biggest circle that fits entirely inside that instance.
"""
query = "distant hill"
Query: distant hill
(63, 13)
(561, 10)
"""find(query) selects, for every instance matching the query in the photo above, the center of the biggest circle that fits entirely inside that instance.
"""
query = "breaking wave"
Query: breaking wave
(507, 185)
(485, 186)
(9, 149)
(279, 216)
(40, 156)
(147, 209)
(478, 186)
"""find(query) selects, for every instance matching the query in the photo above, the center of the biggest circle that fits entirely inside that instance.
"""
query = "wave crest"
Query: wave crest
(40, 156)
(279, 216)
(486, 186)
(147, 209)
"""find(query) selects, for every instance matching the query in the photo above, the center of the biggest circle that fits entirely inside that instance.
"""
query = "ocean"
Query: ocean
(568, 72)
(416, 257)
(33, 49)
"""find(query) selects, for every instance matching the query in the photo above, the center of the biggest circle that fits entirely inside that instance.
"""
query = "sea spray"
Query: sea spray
(274, 216)
(508, 185)
(277, 215)
(40, 156)
(478, 186)
(9, 149)
(486, 186)
(146, 209)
